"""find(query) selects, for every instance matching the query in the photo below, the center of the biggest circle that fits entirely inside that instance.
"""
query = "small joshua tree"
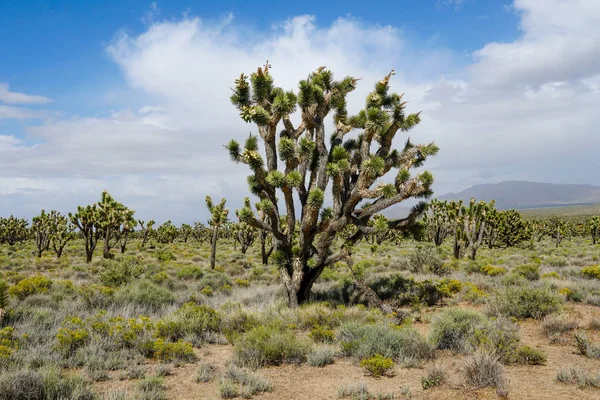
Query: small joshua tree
(185, 231)
(437, 222)
(41, 228)
(87, 220)
(62, 232)
(244, 234)
(218, 214)
(13, 230)
(111, 216)
(201, 233)
(512, 228)
(313, 161)
(167, 232)
(474, 219)
(127, 227)
(146, 231)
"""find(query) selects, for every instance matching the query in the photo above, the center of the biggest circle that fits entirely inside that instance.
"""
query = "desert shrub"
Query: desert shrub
(594, 324)
(492, 270)
(227, 389)
(527, 355)
(426, 258)
(21, 385)
(116, 274)
(525, 302)
(251, 382)
(454, 328)
(556, 261)
(592, 272)
(319, 315)
(465, 331)
(189, 319)
(436, 376)
(29, 286)
(71, 335)
(585, 346)
(483, 369)
(579, 377)
(206, 372)
(236, 321)
(173, 351)
(164, 255)
(320, 356)
(152, 388)
(551, 275)
(322, 334)
(216, 280)
(144, 293)
(554, 325)
(190, 272)
(268, 345)
(357, 391)
(531, 272)
(377, 365)
(68, 386)
(402, 344)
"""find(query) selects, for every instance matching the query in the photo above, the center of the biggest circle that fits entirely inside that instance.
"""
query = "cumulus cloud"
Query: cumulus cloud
(8, 97)
(520, 110)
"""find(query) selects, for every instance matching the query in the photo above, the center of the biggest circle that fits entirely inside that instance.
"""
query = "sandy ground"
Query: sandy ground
(309, 383)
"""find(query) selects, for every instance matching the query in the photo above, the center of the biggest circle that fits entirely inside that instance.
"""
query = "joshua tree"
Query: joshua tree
(244, 234)
(557, 228)
(381, 232)
(62, 232)
(166, 233)
(146, 230)
(13, 230)
(127, 227)
(41, 228)
(474, 218)
(201, 233)
(184, 232)
(86, 219)
(437, 221)
(593, 225)
(313, 161)
(110, 216)
(512, 229)
(218, 214)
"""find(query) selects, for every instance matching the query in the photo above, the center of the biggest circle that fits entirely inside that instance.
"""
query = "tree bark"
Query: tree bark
(213, 247)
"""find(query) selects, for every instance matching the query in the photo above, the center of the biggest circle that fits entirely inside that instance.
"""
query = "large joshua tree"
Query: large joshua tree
(313, 161)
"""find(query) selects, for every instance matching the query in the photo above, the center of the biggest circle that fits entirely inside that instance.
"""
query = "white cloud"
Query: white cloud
(8, 97)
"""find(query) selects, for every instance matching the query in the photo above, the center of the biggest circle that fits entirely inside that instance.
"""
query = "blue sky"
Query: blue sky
(57, 48)
(132, 96)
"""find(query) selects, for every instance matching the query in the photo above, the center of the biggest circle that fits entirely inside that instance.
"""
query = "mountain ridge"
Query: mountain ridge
(529, 194)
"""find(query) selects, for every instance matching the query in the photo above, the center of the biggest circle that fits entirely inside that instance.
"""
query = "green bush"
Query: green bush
(320, 356)
(236, 321)
(530, 356)
(454, 329)
(33, 285)
(322, 334)
(21, 385)
(189, 319)
(190, 272)
(164, 255)
(173, 351)
(531, 272)
(377, 365)
(403, 344)
(592, 272)
(144, 293)
(3, 295)
(268, 345)
(525, 302)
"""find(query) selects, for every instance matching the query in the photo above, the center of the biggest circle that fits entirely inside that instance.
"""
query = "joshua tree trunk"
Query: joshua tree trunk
(106, 249)
(124, 241)
(213, 247)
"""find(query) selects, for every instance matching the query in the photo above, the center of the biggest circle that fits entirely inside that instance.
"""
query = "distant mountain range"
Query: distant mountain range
(524, 195)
